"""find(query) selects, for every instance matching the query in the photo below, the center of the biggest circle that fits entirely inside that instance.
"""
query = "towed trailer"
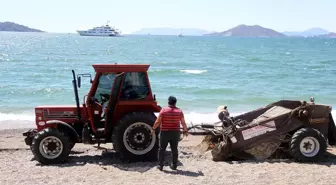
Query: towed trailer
(301, 129)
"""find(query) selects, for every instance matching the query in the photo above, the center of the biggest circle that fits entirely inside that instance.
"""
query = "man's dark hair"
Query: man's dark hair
(172, 100)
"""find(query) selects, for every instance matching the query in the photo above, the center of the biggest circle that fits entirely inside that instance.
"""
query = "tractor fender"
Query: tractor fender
(331, 131)
(72, 132)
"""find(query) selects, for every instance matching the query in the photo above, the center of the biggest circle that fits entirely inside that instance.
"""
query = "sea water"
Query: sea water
(202, 72)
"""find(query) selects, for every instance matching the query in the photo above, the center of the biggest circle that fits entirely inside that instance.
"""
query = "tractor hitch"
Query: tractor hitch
(30, 134)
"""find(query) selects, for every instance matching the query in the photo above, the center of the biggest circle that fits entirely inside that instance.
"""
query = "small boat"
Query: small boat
(180, 35)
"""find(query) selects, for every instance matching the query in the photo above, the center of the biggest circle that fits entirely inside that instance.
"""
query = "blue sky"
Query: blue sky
(132, 15)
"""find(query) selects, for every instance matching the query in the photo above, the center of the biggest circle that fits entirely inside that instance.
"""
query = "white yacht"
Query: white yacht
(104, 30)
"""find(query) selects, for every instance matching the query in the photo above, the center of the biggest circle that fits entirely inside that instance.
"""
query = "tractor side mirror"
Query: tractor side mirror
(79, 81)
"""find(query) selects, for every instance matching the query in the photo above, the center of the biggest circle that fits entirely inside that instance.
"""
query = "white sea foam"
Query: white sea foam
(14, 121)
(16, 117)
(193, 71)
(205, 118)
(210, 118)
(27, 121)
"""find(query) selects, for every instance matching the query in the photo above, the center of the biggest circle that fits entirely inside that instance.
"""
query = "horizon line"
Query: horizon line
(204, 29)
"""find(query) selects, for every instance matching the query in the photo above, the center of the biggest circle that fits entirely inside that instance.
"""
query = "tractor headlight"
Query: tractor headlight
(41, 123)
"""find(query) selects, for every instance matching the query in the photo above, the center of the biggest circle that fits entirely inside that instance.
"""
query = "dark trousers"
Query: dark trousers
(171, 137)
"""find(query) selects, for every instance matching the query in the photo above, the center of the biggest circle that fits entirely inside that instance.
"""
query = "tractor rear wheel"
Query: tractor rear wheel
(308, 145)
(132, 137)
(49, 146)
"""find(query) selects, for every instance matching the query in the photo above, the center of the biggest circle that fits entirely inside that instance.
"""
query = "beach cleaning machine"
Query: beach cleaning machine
(299, 128)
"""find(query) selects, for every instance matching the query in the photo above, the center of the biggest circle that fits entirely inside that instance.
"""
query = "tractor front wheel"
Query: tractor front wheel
(132, 137)
(49, 146)
(308, 145)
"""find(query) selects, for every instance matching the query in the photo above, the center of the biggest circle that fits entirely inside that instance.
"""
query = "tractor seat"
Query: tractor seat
(103, 114)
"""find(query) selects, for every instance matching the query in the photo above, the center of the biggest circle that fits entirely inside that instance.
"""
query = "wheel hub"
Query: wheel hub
(139, 137)
(51, 147)
(309, 146)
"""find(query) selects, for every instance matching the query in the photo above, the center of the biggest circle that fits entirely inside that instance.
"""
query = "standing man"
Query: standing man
(170, 119)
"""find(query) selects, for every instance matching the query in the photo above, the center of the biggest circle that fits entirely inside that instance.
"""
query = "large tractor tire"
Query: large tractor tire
(72, 142)
(49, 146)
(132, 137)
(67, 133)
(307, 145)
(71, 145)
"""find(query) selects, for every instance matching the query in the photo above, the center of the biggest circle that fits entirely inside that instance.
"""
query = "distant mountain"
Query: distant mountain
(171, 31)
(248, 31)
(11, 26)
(329, 35)
(307, 33)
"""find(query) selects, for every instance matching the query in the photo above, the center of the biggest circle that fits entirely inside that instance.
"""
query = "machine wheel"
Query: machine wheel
(308, 145)
(50, 146)
(132, 137)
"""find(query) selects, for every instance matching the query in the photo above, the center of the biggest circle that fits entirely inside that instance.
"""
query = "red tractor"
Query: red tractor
(119, 108)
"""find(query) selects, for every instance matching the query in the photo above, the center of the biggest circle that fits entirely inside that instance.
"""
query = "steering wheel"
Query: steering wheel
(93, 100)
(104, 97)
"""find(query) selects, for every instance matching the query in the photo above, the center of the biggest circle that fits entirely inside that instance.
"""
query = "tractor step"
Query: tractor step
(86, 135)
(98, 140)
(100, 136)
(100, 132)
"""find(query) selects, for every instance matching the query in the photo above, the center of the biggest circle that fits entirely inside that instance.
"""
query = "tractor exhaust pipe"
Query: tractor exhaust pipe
(74, 83)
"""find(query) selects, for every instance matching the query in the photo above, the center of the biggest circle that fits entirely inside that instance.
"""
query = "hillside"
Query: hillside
(170, 31)
(248, 31)
(11, 26)
(329, 35)
(307, 33)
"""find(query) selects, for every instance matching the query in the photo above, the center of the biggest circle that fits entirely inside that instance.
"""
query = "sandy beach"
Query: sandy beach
(91, 165)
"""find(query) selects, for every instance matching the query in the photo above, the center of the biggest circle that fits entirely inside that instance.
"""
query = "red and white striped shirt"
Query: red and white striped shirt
(170, 118)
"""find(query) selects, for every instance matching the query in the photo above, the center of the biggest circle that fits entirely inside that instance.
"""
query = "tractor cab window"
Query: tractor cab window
(135, 86)
(104, 87)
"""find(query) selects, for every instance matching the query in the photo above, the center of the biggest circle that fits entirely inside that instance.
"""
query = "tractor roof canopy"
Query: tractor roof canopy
(118, 68)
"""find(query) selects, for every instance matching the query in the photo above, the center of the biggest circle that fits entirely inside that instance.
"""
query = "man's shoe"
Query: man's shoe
(173, 167)
(160, 167)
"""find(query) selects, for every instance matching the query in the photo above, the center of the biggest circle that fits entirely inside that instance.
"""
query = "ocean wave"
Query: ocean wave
(35, 91)
(214, 91)
(161, 71)
(206, 118)
(4, 57)
(192, 118)
(193, 71)
(16, 117)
